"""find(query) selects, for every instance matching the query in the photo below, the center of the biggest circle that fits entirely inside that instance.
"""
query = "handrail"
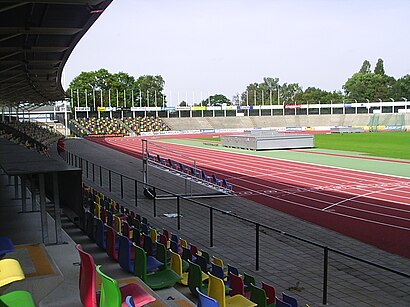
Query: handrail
(258, 225)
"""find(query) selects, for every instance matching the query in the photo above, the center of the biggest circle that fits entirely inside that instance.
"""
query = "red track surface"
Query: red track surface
(370, 207)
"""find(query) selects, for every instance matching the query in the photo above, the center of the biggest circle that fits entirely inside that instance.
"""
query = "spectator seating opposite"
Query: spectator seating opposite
(118, 126)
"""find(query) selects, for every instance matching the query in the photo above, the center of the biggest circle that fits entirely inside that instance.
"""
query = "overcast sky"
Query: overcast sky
(220, 46)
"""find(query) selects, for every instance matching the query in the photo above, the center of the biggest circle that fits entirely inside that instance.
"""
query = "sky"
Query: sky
(211, 47)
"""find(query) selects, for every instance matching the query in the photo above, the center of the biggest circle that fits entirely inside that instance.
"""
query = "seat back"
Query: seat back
(110, 292)
(176, 263)
(148, 245)
(248, 280)
(89, 224)
(205, 300)
(111, 243)
(163, 239)
(153, 234)
(218, 261)
(270, 293)
(201, 261)
(140, 263)
(99, 233)
(186, 254)
(258, 295)
(174, 246)
(216, 290)
(194, 278)
(10, 271)
(162, 255)
(126, 229)
(233, 270)
(217, 271)
(117, 224)
(280, 303)
(87, 278)
(183, 242)
(124, 253)
(289, 299)
(236, 285)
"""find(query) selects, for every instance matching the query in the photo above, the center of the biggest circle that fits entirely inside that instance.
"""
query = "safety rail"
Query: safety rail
(72, 159)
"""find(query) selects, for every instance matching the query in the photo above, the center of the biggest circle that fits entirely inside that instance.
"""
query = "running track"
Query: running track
(370, 207)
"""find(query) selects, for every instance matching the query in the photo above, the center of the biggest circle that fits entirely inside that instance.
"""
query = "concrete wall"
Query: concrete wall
(193, 123)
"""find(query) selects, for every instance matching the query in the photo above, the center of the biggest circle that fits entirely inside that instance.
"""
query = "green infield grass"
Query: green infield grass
(379, 144)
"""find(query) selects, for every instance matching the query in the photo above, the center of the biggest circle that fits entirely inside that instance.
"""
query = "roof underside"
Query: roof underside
(36, 39)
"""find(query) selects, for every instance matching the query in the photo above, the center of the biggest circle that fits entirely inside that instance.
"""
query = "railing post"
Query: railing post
(93, 172)
(100, 176)
(325, 273)
(154, 201)
(86, 165)
(109, 180)
(122, 187)
(257, 248)
(178, 212)
(136, 192)
(211, 226)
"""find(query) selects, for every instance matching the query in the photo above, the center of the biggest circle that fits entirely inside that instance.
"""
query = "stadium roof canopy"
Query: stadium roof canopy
(36, 39)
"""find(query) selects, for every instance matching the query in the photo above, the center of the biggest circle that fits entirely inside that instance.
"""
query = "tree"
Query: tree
(288, 92)
(88, 84)
(151, 88)
(379, 69)
(401, 88)
(365, 67)
(264, 93)
(315, 95)
(183, 103)
(369, 86)
(216, 100)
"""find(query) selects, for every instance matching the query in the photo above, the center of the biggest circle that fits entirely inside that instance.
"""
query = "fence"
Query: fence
(95, 173)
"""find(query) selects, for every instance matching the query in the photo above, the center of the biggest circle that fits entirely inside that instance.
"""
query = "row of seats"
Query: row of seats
(10, 272)
(118, 126)
(189, 170)
(145, 251)
(36, 132)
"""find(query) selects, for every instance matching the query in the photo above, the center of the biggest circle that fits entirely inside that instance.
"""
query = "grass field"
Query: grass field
(380, 144)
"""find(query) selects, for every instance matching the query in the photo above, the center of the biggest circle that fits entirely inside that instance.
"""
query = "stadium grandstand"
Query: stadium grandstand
(133, 217)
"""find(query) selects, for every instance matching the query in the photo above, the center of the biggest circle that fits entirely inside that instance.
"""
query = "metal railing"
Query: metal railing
(77, 161)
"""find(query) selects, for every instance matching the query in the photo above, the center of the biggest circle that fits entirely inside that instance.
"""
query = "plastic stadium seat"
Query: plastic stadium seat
(112, 243)
(176, 266)
(280, 303)
(113, 296)
(289, 299)
(10, 271)
(226, 184)
(125, 259)
(203, 264)
(6, 246)
(205, 177)
(216, 290)
(248, 280)
(17, 298)
(163, 278)
(196, 278)
(236, 285)
(216, 180)
(205, 300)
(258, 296)
(270, 293)
(99, 234)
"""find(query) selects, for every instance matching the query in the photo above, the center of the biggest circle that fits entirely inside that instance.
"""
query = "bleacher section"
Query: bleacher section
(117, 126)
(30, 135)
